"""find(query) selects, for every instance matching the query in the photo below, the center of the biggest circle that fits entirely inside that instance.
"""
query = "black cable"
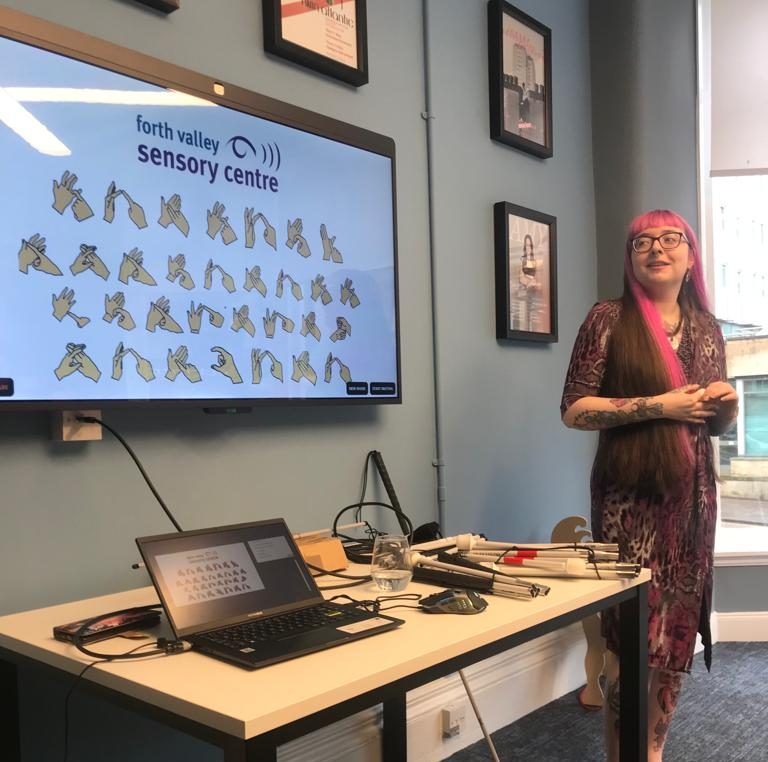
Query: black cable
(373, 605)
(92, 419)
(343, 585)
(127, 654)
(364, 486)
(365, 546)
(322, 571)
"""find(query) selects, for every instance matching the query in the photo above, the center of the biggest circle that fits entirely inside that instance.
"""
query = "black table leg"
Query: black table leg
(10, 744)
(633, 677)
(394, 740)
(255, 750)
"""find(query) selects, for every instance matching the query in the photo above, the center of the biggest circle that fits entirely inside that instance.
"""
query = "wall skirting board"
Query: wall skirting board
(739, 626)
(505, 688)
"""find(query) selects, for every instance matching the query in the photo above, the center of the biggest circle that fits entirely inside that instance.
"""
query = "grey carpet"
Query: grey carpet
(721, 718)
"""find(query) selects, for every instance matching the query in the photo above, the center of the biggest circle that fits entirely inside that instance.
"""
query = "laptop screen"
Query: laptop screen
(212, 578)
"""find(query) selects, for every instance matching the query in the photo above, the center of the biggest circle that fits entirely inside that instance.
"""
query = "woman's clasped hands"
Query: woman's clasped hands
(694, 403)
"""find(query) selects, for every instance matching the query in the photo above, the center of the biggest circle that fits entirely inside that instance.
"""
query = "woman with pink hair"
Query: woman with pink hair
(648, 372)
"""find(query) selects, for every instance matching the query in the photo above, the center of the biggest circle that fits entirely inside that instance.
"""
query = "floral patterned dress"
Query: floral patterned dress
(671, 535)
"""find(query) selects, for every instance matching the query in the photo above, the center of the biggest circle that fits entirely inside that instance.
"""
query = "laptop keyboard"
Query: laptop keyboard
(282, 625)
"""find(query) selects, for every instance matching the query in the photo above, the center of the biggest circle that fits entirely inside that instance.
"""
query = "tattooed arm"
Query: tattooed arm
(594, 413)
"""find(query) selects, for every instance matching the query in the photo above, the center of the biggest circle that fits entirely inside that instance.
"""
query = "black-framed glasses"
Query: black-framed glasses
(644, 243)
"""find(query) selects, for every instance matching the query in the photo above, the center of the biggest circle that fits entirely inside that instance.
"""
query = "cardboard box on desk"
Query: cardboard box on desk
(326, 553)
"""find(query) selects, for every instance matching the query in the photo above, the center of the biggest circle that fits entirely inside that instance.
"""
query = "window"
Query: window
(739, 259)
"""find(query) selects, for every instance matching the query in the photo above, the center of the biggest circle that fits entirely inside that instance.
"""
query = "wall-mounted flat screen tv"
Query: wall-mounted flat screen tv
(170, 239)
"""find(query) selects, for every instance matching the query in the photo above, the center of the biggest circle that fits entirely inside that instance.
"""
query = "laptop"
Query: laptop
(244, 594)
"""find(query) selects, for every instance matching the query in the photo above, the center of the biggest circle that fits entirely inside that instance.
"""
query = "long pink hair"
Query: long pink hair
(693, 288)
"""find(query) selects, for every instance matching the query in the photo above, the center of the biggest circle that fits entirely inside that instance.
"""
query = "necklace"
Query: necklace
(672, 330)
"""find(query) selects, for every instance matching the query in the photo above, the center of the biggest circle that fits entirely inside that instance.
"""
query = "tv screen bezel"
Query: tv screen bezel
(46, 35)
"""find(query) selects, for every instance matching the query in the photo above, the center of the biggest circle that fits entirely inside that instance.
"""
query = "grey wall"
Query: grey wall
(644, 119)
(512, 469)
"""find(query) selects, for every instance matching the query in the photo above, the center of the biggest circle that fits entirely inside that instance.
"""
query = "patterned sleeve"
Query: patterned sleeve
(711, 352)
(585, 371)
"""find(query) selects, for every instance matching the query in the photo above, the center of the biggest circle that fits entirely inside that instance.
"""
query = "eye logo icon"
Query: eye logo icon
(268, 152)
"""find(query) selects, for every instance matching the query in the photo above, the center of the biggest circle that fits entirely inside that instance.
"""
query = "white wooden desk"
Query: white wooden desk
(250, 714)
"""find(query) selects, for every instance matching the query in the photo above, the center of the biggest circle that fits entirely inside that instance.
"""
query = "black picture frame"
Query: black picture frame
(525, 244)
(521, 110)
(340, 24)
(164, 6)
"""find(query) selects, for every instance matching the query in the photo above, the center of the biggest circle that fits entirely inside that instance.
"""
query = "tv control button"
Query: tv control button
(383, 387)
(6, 387)
(357, 387)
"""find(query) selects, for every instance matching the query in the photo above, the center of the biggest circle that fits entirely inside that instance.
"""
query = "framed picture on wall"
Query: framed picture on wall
(328, 36)
(165, 6)
(525, 243)
(520, 77)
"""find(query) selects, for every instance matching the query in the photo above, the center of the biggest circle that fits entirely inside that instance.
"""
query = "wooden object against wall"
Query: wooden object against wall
(574, 529)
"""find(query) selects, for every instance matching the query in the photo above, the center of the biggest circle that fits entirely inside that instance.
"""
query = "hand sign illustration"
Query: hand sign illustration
(170, 213)
(329, 250)
(270, 236)
(226, 279)
(308, 325)
(114, 307)
(88, 259)
(256, 358)
(320, 290)
(135, 212)
(344, 373)
(285, 322)
(302, 368)
(249, 219)
(81, 208)
(62, 306)
(343, 329)
(217, 222)
(276, 368)
(109, 201)
(32, 254)
(250, 229)
(294, 237)
(65, 193)
(348, 294)
(226, 365)
(76, 360)
(271, 320)
(241, 321)
(215, 219)
(295, 287)
(253, 280)
(159, 316)
(177, 363)
(195, 317)
(143, 366)
(132, 268)
(269, 324)
(176, 269)
(294, 230)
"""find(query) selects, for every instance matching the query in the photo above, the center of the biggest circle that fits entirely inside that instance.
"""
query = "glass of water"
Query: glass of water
(391, 562)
